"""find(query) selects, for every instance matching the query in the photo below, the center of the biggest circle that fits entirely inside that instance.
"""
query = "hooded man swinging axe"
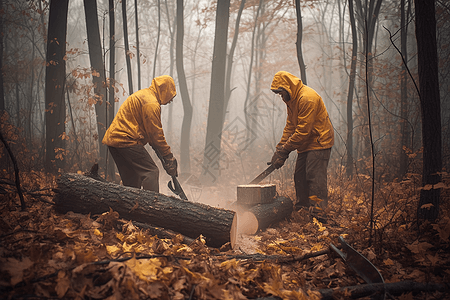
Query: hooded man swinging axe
(308, 130)
(137, 123)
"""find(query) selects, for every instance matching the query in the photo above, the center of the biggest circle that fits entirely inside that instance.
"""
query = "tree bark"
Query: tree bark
(185, 157)
(351, 87)
(228, 89)
(55, 106)
(2, 94)
(211, 158)
(157, 39)
(83, 194)
(127, 47)
(172, 27)
(138, 53)
(250, 69)
(403, 92)
(301, 62)
(112, 98)
(430, 107)
(98, 74)
(272, 213)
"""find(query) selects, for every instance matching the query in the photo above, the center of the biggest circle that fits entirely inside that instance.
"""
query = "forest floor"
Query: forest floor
(46, 255)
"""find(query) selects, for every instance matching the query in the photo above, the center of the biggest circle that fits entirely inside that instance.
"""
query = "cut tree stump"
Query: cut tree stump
(253, 194)
(82, 194)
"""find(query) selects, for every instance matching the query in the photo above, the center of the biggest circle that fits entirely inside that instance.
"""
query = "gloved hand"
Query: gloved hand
(279, 157)
(170, 165)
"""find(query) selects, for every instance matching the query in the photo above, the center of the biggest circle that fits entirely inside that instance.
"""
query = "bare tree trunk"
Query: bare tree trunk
(301, 62)
(157, 39)
(4, 159)
(211, 158)
(260, 46)
(403, 93)
(112, 98)
(138, 53)
(29, 120)
(367, 12)
(2, 93)
(127, 47)
(172, 28)
(54, 85)
(250, 68)
(98, 76)
(185, 157)
(430, 107)
(231, 55)
(351, 87)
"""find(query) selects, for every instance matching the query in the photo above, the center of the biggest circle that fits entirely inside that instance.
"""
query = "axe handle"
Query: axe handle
(176, 187)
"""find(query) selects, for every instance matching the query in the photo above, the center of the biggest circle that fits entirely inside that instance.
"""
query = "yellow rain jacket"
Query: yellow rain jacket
(308, 126)
(138, 120)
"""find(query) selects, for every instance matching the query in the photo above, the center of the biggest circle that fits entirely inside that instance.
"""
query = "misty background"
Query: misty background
(254, 117)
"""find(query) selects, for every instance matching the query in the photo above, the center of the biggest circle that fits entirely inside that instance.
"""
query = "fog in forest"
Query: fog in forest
(255, 117)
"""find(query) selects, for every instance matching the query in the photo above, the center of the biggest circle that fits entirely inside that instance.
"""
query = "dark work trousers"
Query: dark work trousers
(310, 178)
(136, 167)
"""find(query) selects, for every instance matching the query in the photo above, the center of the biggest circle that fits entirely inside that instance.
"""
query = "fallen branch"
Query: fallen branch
(280, 259)
(393, 288)
(16, 171)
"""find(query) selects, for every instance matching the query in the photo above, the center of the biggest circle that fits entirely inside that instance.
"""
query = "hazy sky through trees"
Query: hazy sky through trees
(326, 45)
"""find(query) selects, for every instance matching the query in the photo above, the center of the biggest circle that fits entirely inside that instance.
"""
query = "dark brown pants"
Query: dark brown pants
(136, 167)
(310, 178)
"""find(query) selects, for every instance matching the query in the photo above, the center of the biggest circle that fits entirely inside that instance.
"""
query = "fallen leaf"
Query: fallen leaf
(427, 206)
(62, 284)
(434, 259)
(145, 269)
(16, 267)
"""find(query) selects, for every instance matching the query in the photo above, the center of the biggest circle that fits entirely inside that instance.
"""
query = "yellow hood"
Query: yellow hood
(289, 82)
(308, 126)
(164, 88)
(138, 120)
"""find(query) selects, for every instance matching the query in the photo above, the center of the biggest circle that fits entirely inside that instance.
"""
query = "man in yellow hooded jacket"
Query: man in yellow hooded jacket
(309, 131)
(137, 123)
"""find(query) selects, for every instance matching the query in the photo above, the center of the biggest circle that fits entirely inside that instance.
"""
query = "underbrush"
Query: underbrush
(48, 255)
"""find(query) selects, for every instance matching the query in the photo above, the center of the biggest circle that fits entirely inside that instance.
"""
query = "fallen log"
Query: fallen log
(272, 213)
(82, 194)
(261, 216)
